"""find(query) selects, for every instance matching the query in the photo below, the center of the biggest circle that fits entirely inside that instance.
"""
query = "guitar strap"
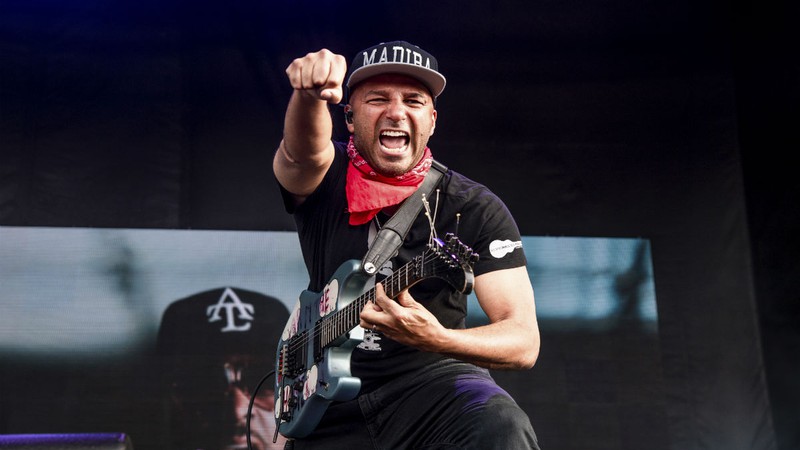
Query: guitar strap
(391, 235)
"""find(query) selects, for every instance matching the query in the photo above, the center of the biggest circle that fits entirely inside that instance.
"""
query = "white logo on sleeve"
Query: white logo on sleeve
(499, 248)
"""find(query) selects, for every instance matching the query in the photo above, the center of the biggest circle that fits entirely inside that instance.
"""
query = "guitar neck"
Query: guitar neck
(345, 319)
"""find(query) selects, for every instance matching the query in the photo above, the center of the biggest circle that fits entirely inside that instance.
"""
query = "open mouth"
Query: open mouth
(394, 141)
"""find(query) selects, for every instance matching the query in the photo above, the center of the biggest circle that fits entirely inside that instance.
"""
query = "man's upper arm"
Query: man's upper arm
(507, 294)
(301, 178)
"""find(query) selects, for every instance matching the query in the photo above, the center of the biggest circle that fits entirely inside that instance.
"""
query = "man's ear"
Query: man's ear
(348, 117)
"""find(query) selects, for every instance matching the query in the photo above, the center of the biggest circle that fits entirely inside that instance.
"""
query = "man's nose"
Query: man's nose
(239, 401)
(396, 111)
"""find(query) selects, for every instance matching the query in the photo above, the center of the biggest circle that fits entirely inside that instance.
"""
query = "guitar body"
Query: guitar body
(313, 356)
(310, 382)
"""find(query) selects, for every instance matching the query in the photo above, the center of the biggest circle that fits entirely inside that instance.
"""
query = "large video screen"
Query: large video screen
(128, 330)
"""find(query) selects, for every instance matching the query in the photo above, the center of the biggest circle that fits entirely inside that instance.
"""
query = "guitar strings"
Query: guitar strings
(339, 316)
(353, 309)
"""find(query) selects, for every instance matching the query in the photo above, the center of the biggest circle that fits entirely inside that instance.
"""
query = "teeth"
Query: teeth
(394, 133)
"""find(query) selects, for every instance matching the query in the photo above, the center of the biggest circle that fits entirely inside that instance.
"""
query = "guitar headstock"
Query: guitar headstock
(463, 253)
(453, 262)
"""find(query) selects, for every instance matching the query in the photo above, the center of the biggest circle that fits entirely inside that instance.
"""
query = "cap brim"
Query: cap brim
(433, 80)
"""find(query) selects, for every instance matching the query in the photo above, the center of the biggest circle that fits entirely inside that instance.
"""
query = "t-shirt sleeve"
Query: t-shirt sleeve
(498, 241)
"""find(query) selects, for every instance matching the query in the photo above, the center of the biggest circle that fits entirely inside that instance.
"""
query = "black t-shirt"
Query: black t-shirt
(461, 206)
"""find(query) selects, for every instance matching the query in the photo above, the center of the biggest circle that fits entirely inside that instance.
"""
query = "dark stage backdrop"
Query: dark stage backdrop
(620, 119)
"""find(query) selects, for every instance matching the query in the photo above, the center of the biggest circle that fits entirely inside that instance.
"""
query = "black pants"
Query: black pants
(450, 405)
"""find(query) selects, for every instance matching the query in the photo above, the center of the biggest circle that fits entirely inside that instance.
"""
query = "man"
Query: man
(215, 346)
(423, 374)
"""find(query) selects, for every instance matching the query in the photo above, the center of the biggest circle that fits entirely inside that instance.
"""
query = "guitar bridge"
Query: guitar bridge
(293, 356)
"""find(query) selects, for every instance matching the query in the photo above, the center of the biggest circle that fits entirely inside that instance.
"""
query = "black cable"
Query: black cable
(250, 407)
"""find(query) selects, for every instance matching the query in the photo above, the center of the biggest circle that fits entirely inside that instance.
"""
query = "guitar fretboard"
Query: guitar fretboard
(343, 320)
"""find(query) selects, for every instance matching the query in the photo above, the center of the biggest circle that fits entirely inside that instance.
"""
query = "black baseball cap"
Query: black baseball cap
(220, 322)
(397, 57)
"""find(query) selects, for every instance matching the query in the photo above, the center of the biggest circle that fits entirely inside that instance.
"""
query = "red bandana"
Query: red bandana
(368, 192)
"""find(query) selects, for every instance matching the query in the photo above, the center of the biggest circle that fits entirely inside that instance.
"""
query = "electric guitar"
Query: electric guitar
(313, 356)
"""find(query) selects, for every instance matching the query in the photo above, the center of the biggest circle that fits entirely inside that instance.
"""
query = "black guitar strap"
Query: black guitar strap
(391, 235)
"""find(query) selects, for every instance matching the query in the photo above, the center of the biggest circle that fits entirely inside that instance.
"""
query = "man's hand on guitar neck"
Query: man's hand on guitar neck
(403, 320)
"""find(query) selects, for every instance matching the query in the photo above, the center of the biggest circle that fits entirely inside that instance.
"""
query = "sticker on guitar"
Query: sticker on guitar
(292, 324)
(327, 301)
(310, 385)
(327, 304)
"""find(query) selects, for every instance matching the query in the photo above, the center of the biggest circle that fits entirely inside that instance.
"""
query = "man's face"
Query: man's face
(393, 118)
(209, 402)
(262, 420)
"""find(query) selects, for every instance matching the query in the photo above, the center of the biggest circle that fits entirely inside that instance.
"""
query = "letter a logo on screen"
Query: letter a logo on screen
(233, 308)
